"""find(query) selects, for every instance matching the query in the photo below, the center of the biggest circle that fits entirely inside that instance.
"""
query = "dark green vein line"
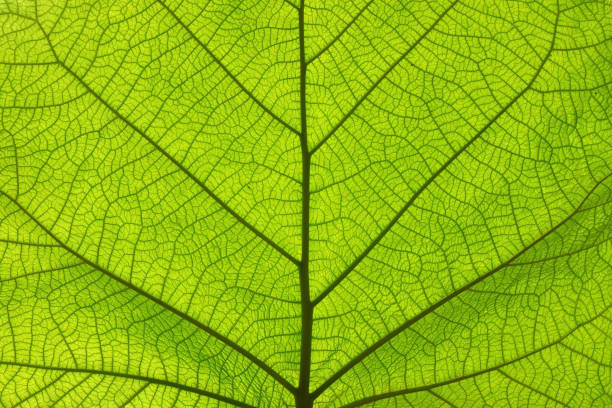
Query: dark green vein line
(196, 180)
(586, 356)
(91, 390)
(431, 179)
(134, 395)
(340, 34)
(41, 390)
(563, 255)
(441, 398)
(58, 398)
(379, 80)
(227, 71)
(32, 244)
(41, 272)
(247, 354)
(302, 395)
(392, 394)
(400, 329)
(133, 377)
(291, 4)
(529, 387)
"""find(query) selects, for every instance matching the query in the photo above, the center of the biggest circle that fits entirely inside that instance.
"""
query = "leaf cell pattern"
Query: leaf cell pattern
(305, 203)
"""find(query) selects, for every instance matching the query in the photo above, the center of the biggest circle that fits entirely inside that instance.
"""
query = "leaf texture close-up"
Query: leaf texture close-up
(294, 203)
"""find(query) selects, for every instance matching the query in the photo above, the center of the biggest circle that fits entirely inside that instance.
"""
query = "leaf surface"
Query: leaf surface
(278, 203)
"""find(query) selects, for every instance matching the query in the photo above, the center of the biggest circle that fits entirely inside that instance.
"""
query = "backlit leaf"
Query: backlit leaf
(314, 203)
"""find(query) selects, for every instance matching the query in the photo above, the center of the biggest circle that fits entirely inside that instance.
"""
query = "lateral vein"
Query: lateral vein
(182, 168)
(227, 71)
(410, 322)
(431, 179)
(149, 380)
(247, 354)
(380, 79)
(498, 367)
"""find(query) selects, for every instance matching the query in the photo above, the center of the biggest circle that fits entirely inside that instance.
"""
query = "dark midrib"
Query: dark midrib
(225, 340)
(148, 380)
(303, 398)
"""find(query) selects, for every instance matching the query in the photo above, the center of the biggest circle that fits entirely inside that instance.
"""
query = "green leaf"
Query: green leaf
(331, 204)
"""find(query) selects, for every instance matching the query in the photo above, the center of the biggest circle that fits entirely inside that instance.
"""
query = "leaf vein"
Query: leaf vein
(261, 364)
(380, 79)
(227, 71)
(149, 380)
(430, 180)
(405, 391)
(400, 329)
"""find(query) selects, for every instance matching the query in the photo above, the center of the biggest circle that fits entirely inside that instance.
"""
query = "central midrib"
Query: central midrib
(303, 398)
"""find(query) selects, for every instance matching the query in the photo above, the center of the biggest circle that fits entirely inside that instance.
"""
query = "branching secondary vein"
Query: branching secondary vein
(189, 174)
(227, 71)
(380, 79)
(145, 379)
(247, 354)
(336, 323)
(497, 367)
(431, 179)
